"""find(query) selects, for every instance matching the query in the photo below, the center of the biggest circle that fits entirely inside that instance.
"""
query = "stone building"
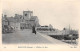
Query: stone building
(29, 20)
(25, 21)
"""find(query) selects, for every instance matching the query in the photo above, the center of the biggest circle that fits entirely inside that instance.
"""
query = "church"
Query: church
(28, 20)
(18, 22)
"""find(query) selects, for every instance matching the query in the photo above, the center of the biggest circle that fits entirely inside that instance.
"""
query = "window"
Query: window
(25, 14)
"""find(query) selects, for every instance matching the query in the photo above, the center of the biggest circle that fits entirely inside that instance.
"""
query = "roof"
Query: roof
(28, 11)
(10, 19)
(33, 18)
(17, 16)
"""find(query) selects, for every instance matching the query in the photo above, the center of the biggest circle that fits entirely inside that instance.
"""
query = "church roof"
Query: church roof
(28, 11)
(33, 18)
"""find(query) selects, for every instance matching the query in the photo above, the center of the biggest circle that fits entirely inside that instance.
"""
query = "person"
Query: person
(33, 30)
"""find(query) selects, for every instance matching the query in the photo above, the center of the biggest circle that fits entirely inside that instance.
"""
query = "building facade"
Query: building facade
(25, 21)
(29, 20)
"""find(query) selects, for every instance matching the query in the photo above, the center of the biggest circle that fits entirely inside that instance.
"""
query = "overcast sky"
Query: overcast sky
(59, 13)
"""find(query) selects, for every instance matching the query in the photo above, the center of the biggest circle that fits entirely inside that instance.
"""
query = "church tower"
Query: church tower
(27, 14)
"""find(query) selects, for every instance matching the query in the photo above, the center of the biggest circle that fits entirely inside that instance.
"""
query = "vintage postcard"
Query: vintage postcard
(39, 25)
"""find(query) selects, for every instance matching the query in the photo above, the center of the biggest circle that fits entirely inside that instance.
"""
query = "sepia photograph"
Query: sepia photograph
(50, 22)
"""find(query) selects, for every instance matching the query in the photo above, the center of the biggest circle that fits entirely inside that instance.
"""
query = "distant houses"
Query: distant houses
(18, 22)
(27, 21)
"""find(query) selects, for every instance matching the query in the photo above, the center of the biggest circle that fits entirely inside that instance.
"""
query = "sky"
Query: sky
(58, 13)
